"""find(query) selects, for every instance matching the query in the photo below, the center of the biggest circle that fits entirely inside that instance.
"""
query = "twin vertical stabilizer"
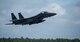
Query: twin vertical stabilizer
(14, 17)
(20, 16)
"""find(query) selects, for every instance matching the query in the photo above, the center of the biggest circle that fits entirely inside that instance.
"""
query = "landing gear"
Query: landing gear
(30, 23)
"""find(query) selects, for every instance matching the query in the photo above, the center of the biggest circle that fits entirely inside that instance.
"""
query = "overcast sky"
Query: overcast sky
(66, 24)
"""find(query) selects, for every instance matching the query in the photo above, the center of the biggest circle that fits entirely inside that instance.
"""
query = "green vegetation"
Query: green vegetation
(37, 40)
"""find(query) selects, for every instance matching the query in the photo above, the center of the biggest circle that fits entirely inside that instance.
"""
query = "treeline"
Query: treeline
(37, 40)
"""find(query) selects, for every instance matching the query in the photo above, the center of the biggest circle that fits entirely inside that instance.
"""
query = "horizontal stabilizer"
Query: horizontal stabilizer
(9, 24)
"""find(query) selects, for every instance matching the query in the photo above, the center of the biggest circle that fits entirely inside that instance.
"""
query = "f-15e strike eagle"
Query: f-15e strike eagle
(31, 20)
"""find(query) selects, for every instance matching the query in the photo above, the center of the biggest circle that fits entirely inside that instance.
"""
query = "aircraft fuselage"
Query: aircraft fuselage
(32, 20)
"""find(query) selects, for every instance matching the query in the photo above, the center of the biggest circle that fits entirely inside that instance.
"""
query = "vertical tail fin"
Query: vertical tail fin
(20, 16)
(13, 17)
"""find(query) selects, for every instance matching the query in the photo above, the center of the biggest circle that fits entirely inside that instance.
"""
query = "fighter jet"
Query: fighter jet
(31, 20)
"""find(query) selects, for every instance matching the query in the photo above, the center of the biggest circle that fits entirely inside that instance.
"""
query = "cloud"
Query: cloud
(55, 8)
(77, 22)
(77, 8)
(52, 7)
(55, 28)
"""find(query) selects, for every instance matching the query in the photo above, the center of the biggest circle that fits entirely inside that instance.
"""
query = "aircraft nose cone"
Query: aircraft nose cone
(52, 14)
